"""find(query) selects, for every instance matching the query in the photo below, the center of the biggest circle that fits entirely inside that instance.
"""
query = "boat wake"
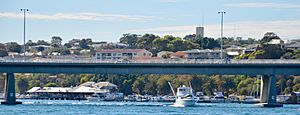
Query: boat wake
(196, 105)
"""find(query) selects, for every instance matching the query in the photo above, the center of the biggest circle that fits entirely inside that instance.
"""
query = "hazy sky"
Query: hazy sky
(108, 20)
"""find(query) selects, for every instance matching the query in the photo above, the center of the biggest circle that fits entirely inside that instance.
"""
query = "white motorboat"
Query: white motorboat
(96, 97)
(184, 96)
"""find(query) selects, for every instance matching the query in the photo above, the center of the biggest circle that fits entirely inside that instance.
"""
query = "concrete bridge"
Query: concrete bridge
(267, 68)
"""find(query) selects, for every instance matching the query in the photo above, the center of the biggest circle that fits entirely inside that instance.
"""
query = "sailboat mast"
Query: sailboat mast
(191, 89)
(172, 89)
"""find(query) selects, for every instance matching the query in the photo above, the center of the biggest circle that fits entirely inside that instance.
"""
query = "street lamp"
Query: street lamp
(222, 16)
(24, 10)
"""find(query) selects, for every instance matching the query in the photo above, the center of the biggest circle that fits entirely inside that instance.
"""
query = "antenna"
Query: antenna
(234, 28)
(202, 20)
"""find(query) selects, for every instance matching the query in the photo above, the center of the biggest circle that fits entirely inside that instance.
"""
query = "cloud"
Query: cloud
(78, 16)
(264, 5)
(286, 29)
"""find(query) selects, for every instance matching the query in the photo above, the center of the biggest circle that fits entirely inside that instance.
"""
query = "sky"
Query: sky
(108, 20)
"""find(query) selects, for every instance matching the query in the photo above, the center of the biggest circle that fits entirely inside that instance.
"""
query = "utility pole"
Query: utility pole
(24, 45)
(222, 19)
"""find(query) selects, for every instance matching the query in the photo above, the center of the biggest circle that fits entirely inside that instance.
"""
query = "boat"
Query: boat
(218, 98)
(184, 96)
(106, 93)
(250, 100)
(96, 97)
(202, 98)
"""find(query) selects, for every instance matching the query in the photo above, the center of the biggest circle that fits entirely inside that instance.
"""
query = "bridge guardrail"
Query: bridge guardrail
(159, 61)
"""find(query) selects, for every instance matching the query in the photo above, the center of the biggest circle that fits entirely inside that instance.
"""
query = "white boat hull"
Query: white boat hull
(185, 102)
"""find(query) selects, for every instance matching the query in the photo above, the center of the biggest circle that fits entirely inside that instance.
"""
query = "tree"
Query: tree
(268, 37)
(271, 52)
(138, 85)
(65, 52)
(42, 42)
(30, 43)
(145, 42)
(22, 85)
(130, 39)
(3, 53)
(56, 41)
(68, 45)
(246, 87)
(2, 83)
(13, 47)
(84, 44)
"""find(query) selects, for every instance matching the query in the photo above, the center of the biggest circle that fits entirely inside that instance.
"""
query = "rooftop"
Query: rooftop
(121, 51)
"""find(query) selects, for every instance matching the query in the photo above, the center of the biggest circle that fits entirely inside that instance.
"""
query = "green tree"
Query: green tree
(22, 85)
(130, 39)
(84, 44)
(42, 42)
(3, 53)
(268, 37)
(246, 87)
(13, 47)
(139, 85)
(56, 41)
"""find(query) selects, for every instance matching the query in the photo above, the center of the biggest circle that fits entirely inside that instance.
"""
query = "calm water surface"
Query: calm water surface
(40, 107)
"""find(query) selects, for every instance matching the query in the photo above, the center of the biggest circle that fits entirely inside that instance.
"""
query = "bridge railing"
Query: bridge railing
(163, 61)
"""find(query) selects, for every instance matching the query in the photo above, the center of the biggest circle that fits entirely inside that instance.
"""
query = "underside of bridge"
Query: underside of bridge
(267, 97)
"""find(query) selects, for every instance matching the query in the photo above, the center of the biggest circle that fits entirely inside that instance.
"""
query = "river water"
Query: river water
(62, 107)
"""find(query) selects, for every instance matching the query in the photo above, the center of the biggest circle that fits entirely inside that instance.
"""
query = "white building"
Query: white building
(235, 50)
(116, 54)
(40, 48)
(203, 54)
(200, 31)
(79, 92)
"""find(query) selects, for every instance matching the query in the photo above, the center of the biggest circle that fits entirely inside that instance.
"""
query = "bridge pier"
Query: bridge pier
(10, 91)
(268, 92)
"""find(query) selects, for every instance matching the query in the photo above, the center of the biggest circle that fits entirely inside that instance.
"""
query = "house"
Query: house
(116, 54)
(40, 48)
(237, 49)
(164, 54)
(234, 50)
(251, 48)
(275, 42)
(203, 54)
(178, 55)
(294, 45)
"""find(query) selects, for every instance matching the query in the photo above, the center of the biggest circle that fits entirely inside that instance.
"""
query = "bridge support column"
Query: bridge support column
(268, 92)
(10, 95)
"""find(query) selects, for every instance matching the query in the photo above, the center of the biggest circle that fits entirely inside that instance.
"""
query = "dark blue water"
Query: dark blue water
(40, 107)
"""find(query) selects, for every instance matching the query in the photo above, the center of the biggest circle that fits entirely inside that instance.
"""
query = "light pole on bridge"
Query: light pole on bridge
(24, 45)
(222, 19)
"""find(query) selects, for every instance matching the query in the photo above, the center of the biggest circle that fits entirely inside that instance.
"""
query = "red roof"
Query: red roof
(120, 51)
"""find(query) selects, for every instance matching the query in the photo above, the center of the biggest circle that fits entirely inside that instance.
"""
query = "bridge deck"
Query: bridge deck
(249, 67)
